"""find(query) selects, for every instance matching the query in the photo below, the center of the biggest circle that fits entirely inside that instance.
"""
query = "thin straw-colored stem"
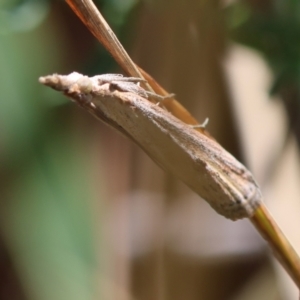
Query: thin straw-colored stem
(94, 21)
(283, 250)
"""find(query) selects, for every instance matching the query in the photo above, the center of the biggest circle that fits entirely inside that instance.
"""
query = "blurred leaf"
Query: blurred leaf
(275, 33)
(22, 15)
(45, 213)
(48, 223)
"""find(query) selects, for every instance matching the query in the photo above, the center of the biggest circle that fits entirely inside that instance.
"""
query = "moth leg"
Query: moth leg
(159, 98)
(202, 125)
(108, 78)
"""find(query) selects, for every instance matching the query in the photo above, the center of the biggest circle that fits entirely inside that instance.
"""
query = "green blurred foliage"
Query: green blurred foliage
(46, 214)
(273, 28)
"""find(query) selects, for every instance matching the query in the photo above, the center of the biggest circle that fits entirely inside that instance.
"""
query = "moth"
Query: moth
(199, 161)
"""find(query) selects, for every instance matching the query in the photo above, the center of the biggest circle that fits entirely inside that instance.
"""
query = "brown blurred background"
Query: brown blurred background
(85, 214)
